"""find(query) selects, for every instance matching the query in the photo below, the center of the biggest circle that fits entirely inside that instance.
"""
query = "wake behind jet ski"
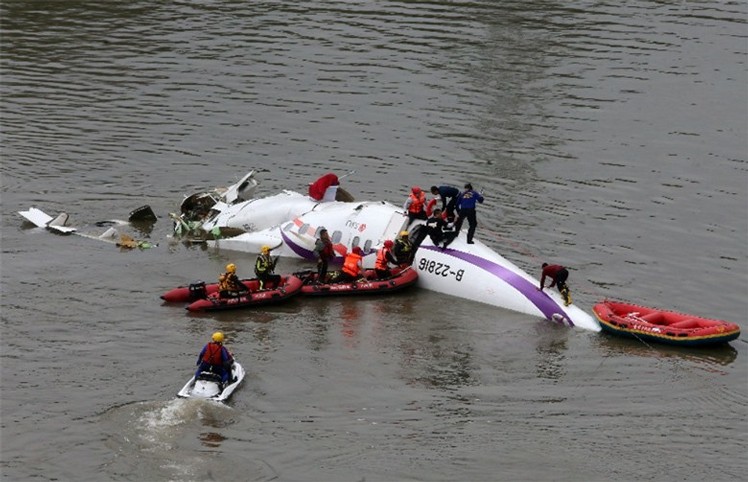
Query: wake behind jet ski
(290, 222)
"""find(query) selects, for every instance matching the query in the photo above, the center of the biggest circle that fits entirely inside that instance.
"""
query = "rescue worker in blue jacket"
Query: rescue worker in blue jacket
(216, 358)
(466, 210)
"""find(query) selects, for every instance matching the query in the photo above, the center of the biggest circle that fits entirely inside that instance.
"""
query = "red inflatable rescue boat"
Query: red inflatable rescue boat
(663, 326)
(369, 284)
(205, 297)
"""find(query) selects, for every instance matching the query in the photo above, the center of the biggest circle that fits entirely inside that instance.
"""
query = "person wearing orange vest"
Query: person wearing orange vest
(384, 259)
(352, 265)
(415, 205)
(216, 358)
(229, 285)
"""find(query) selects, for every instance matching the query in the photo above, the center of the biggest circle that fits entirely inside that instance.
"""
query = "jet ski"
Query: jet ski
(208, 385)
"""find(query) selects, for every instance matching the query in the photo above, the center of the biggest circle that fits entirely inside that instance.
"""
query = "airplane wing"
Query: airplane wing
(44, 220)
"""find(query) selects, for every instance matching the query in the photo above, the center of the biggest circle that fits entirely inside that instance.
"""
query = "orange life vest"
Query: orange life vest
(213, 354)
(417, 202)
(228, 282)
(430, 207)
(381, 262)
(350, 265)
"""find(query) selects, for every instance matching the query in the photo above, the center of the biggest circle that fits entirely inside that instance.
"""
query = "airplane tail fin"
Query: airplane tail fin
(59, 224)
(109, 234)
(60, 220)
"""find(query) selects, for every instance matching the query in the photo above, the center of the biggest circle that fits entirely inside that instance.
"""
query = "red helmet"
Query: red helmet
(388, 244)
(416, 190)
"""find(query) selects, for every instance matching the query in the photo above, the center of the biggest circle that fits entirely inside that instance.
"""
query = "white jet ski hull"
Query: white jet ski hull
(210, 389)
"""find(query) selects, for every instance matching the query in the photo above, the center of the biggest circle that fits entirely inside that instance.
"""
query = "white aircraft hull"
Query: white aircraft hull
(289, 224)
(475, 272)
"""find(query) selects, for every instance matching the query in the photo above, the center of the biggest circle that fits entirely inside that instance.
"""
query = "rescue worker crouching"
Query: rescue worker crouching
(385, 257)
(403, 249)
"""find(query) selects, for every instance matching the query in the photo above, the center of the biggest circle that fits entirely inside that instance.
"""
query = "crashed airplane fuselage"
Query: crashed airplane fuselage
(289, 222)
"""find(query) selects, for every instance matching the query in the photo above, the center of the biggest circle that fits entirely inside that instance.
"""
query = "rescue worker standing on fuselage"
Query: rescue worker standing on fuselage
(324, 252)
(229, 285)
(403, 249)
(415, 205)
(466, 210)
(264, 267)
(384, 259)
(216, 358)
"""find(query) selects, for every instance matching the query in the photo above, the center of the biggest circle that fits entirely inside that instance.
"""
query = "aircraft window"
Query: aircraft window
(336, 236)
(288, 226)
(303, 228)
(367, 246)
(355, 241)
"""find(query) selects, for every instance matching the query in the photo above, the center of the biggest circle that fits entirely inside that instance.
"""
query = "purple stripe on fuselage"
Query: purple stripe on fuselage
(530, 291)
(304, 253)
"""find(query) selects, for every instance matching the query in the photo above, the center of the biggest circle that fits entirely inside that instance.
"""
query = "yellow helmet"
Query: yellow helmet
(265, 249)
(217, 337)
(231, 268)
(403, 233)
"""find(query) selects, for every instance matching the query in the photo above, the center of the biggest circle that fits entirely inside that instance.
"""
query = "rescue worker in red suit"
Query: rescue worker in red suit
(352, 265)
(558, 275)
(415, 205)
(324, 252)
(384, 259)
(216, 358)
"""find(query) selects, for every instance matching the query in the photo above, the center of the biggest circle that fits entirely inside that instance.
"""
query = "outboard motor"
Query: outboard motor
(197, 291)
